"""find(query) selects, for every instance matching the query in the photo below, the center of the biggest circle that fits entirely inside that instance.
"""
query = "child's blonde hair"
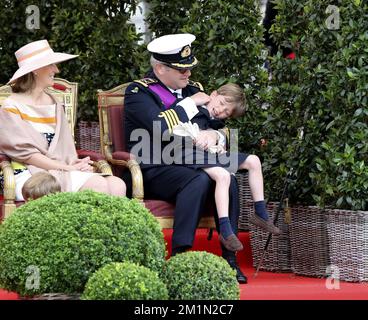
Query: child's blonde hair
(234, 95)
(40, 184)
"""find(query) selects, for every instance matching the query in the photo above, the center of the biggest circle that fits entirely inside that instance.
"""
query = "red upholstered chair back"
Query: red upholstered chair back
(111, 119)
(111, 113)
(116, 120)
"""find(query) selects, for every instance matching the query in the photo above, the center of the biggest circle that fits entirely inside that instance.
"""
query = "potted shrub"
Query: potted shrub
(53, 244)
(124, 281)
(199, 275)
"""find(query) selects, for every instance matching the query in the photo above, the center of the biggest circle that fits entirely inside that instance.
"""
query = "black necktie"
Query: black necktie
(176, 94)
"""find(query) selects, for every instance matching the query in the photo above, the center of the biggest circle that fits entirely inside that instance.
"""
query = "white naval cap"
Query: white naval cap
(174, 50)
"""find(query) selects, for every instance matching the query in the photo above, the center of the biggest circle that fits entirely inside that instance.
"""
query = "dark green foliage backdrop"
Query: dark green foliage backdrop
(231, 49)
(96, 30)
(324, 92)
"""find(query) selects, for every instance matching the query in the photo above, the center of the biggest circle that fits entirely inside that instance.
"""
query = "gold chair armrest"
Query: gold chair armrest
(137, 177)
(9, 182)
(102, 166)
(9, 189)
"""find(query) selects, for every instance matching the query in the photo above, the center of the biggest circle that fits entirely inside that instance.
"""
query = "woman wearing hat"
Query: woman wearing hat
(34, 131)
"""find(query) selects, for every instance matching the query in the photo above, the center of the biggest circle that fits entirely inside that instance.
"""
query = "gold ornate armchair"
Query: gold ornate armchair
(111, 119)
(67, 93)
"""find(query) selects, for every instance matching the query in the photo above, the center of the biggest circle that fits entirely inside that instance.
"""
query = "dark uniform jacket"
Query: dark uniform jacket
(148, 123)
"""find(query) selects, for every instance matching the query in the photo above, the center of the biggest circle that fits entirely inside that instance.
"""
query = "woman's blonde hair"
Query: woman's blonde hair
(40, 184)
(234, 95)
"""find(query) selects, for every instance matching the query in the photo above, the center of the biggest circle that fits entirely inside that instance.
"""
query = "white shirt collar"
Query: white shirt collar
(178, 92)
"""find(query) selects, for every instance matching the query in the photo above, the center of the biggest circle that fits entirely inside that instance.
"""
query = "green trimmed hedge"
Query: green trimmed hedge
(199, 275)
(65, 237)
(124, 281)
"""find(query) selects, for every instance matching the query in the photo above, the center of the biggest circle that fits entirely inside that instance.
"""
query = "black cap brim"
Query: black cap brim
(179, 66)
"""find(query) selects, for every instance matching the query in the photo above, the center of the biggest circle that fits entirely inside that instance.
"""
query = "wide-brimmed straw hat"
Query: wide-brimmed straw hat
(36, 55)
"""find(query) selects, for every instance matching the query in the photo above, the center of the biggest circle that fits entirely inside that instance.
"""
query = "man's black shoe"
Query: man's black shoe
(177, 250)
(240, 276)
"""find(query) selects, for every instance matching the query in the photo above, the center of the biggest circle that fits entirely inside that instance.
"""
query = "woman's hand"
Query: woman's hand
(83, 165)
(41, 161)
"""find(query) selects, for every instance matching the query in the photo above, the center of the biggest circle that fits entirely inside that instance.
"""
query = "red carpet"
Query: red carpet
(278, 286)
(5, 295)
(267, 285)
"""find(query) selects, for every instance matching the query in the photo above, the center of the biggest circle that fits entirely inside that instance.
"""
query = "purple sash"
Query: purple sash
(165, 95)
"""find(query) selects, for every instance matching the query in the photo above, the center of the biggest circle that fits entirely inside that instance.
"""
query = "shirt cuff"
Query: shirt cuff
(189, 107)
(221, 139)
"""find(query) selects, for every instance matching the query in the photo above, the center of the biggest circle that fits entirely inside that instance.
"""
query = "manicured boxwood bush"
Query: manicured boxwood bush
(199, 275)
(65, 237)
(124, 281)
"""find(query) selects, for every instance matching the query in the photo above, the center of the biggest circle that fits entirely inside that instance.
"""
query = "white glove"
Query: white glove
(189, 129)
(186, 129)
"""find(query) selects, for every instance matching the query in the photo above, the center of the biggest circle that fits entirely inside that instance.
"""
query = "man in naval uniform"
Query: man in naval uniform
(153, 106)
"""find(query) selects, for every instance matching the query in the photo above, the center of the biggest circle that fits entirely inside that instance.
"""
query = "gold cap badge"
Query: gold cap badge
(186, 52)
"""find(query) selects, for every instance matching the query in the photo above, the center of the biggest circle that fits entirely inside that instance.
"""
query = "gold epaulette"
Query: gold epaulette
(196, 84)
(146, 81)
(171, 118)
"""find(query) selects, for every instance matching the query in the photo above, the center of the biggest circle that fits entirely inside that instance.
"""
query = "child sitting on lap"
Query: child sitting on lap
(40, 184)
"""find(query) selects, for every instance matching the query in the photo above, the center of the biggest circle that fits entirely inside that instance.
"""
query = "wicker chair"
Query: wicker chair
(111, 115)
(67, 93)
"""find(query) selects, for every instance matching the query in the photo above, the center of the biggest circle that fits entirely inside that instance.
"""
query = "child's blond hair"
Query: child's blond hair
(40, 184)
(234, 95)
